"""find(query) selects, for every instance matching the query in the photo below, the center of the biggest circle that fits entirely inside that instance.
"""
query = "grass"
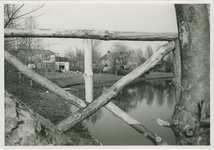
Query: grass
(69, 79)
(47, 104)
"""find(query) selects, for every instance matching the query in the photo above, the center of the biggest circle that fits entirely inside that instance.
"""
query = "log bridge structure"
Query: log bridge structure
(86, 109)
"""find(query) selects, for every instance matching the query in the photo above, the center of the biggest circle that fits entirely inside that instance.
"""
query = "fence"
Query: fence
(90, 106)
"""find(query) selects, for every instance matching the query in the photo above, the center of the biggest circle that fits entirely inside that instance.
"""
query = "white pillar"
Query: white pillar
(88, 73)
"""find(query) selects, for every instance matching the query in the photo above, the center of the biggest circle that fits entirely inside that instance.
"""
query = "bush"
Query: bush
(123, 71)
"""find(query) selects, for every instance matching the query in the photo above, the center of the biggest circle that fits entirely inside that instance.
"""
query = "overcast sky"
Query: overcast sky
(117, 16)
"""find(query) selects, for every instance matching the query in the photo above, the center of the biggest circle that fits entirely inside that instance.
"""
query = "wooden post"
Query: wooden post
(88, 74)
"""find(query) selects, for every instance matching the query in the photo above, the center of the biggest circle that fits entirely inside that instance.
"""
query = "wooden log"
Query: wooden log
(90, 34)
(135, 124)
(44, 82)
(88, 74)
(112, 92)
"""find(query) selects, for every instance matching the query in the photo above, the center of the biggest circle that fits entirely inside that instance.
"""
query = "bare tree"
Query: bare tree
(149, 52)
(15, 17)
(96, 54)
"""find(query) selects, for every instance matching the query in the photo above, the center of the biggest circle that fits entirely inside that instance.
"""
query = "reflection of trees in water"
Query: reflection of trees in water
(131, 95)
(171, 98)
(80, 93)
(96, 116)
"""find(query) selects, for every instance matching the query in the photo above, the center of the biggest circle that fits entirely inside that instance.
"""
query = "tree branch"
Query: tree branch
(11, 17)
(39, 7)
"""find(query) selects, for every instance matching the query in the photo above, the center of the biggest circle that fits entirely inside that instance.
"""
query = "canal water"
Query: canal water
(144, 101)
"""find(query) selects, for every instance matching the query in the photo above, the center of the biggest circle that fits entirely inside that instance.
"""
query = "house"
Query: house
(48, 60)
(62, 63)
(38, 55)
(104, 60)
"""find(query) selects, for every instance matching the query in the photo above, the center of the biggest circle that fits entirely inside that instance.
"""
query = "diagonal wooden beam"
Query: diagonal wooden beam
(90, 34)
(112, 92)
(135, 124)
(43, 81)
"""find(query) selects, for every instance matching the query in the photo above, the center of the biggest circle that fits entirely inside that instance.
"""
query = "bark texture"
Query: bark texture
(24, 127)
(190, 120)
(177, 70)
(90, 34)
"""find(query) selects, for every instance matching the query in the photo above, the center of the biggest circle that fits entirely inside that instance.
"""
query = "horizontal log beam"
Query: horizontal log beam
(90, 34)
(135, 124)
(44, 82)
(112, 92)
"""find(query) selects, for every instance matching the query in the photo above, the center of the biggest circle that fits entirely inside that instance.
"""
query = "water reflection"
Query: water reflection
(154, 91)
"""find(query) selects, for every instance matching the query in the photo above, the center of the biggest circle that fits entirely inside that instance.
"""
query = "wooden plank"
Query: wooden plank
(112, 92)
(44, 82)
(90, 34)
(88, 73)
(135, 124)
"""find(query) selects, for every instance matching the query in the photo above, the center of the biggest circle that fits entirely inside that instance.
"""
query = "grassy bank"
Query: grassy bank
(74, 79)
(47, 104)
(70, 79)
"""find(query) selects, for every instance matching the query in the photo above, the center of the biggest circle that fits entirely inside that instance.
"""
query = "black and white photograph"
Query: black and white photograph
(106, 73)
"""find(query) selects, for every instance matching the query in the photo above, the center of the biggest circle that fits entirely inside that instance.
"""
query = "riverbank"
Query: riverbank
(72, 79)
(54, 108)
(49, 105)
(76, 79)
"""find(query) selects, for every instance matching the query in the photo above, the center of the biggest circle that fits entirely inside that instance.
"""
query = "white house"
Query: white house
(62, 63)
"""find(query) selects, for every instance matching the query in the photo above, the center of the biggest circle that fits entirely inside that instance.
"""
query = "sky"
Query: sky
(113, 16)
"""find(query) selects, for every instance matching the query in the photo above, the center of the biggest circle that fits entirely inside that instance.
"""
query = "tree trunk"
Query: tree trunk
(177, 70)
(24, 127)
(190, 121)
